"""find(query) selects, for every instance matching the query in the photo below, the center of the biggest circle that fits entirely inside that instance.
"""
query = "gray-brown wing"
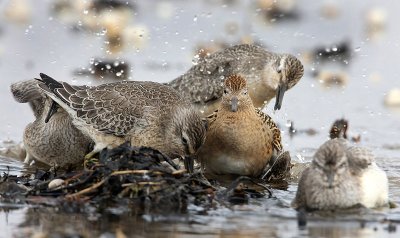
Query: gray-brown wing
(359, 158)
(116, 108)
(29, 92)
(204, 82)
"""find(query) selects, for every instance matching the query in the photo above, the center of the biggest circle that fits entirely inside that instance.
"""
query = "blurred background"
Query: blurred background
(350, 50)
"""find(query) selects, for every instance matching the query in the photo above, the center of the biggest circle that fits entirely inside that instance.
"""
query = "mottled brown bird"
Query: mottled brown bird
(241, 139)
(268, 75)
(341, 177)
(144, 113)
(56, 143)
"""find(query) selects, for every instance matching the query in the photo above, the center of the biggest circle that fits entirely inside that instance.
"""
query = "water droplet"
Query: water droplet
(118, 74)
(195, 59)
(334, 49)
(116, 63)
(357, 49)
(195, 18)
(288, 123)
(300, 157)
(85, 11)
(108, 66)
(220, 69)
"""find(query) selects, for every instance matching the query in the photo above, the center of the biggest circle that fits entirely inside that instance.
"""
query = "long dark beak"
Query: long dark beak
(52, 110)
(234, 104)
(189, 164)
(331, 176)
(280, 91)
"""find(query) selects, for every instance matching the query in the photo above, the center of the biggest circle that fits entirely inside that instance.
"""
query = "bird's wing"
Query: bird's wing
(203, 82)
(359, 158)
(115, 108)
(276, 133)
(26, 91)
(29, 92)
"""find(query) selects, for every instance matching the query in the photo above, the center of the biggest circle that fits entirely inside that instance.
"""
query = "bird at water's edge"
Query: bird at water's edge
(56, 143)
(240, 139)
(268, 75)
(144, 113)
(341, 177)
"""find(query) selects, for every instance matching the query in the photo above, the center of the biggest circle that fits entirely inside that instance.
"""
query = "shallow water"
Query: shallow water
(45, 44)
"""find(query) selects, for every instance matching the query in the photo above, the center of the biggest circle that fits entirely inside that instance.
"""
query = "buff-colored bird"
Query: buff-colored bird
(241, 139)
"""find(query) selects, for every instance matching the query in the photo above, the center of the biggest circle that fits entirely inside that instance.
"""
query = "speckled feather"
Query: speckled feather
(57, 142)
(144, 113)
(203, 82)
(233, 136)
(359, 182)
(116, 108)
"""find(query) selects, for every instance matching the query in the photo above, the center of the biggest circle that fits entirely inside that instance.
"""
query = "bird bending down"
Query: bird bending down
(240, 139)
(268, 75)
(144, 113)
(341, 177)
(56, 143)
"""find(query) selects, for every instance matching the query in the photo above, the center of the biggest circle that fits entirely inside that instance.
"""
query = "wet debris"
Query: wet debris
(275, 11)
(339, 130)
(279, 169)
(392, 98)
(136, 179)
(18, 11)
(330, 78)
(294, 131)
(112, 20)
(330, 10)
(242, 189)
(103, 68)
(14, 150)
(375, 22)
(337, 52)
(108, 5)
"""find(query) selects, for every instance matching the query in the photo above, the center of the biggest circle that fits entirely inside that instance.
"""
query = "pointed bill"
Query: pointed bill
(280, 91)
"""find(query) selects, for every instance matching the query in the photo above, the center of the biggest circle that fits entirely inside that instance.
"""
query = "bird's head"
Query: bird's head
(235, 96)
(331, 163)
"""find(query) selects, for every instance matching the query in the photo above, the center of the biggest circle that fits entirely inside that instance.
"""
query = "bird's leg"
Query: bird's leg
(97, 148)
(28, 158)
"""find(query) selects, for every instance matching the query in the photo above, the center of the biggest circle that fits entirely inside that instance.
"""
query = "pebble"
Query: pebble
(55, 183)
(392, 98)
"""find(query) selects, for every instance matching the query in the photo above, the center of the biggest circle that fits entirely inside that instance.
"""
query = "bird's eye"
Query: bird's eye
(279, 71)
(225, 91)
(184, 141)
(245, 92)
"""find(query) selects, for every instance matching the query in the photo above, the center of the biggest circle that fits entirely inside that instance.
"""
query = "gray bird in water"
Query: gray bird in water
(341, 177)
(144, 113)
(268, 74)
(56, 143)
